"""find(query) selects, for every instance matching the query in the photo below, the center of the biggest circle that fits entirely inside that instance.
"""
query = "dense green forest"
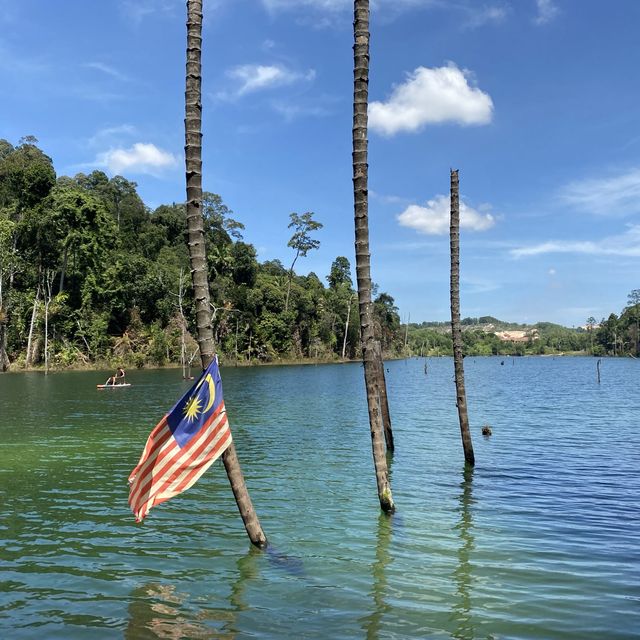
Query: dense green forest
(90, 276)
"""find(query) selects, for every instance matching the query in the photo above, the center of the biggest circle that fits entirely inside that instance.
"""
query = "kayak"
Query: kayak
(112, 386)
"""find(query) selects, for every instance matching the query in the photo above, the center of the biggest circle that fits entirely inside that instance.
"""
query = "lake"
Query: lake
(541, 540)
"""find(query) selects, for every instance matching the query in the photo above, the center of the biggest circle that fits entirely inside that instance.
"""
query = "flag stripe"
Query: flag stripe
(182, 446)
(162, 457)
(153, 482)
(156, 439)
(182, 478)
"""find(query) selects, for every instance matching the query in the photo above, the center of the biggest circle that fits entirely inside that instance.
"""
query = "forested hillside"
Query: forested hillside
(89, 275)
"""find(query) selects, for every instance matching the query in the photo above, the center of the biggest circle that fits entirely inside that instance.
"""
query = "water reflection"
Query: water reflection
(159, 611)
(155, 612)
(461, 611)
(373, 622)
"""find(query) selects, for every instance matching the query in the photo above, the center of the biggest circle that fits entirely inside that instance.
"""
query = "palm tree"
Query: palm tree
(456, 333)
(371, 354)
(197, 251)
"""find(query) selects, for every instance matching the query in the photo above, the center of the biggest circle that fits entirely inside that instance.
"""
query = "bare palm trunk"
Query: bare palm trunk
(197, 251)
(456, 333)
(370, 348)
(384, 402)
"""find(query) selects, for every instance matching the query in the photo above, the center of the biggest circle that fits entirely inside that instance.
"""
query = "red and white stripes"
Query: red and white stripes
(165, 469)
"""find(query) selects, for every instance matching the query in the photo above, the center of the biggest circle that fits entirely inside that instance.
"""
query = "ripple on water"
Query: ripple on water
(540, 541)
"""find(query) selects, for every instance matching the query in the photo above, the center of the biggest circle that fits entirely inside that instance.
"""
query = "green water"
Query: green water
(540, 541)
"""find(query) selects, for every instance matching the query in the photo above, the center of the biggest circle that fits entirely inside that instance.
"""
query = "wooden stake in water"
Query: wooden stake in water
(197, 251)
(456, 333)
(598, 369)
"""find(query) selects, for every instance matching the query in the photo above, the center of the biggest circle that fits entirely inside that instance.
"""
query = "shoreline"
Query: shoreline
(104, 366)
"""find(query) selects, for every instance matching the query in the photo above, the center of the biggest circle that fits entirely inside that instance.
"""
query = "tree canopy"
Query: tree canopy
(118, 271)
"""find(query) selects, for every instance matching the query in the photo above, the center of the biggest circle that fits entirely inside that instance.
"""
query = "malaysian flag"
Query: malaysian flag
(183, 445)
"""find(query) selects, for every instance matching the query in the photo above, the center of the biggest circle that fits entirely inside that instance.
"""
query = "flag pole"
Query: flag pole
(197, 250)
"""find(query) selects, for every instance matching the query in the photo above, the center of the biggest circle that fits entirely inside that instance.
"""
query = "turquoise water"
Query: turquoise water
(541, 540)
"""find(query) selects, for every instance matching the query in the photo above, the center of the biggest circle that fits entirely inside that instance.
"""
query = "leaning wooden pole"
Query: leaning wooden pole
(456, 333)
(370, 349)
(197, 250)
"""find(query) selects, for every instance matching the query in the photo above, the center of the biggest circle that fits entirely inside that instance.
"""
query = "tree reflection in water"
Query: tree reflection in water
(158, 611)
(372, 623)
(461, 612)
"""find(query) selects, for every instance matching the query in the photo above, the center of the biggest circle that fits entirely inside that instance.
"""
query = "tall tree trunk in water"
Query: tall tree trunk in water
(456, 333)
(384, 401)
(370, 348)
(197, 251)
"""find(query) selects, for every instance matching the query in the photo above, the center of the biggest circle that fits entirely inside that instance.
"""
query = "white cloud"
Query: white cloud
(478, 17)
(431, 96)
(330, 5)
(258, 77)
(292, 111)
(105, 68)
(479, 285)
(433, 218)
(389, 198)
(140, 158)
(343, 5)
(18, 63)
(616, 196)
(547, 11)
(102, 137)
(625, 245)
(138, 10)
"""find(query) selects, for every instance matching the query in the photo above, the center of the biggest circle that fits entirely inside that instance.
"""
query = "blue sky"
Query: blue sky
(536, 102)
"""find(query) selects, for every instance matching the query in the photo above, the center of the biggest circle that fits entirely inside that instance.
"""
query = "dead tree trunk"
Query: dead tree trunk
(197, 251)
(456, 333)
(34, 314)
(370, 348)
(346, 327)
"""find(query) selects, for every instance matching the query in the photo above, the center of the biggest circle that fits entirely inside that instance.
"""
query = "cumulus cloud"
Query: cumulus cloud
(433, 218)
(547, 11)
(626, 245)
(258, 77)
(140, 158)
(431, 96)
(616, 196)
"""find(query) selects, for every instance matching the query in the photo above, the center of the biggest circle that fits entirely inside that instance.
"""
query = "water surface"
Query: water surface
(541, 540)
